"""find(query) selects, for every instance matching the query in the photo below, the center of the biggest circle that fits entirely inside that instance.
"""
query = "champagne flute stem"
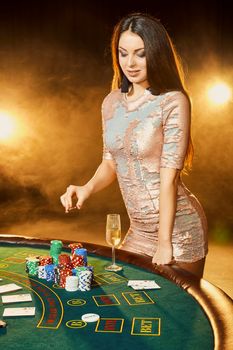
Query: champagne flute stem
(113, 255)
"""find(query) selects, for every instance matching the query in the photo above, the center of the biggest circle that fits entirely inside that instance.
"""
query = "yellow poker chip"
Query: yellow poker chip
(90, 317)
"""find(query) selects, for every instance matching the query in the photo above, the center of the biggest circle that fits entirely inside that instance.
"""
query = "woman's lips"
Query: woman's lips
(133, 73)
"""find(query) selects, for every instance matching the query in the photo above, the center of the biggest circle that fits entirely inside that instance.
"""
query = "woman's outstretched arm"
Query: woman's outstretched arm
(103, 177)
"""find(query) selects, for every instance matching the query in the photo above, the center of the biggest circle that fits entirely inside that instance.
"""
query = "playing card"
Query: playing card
(19, 311)
(138, 282)
(9, 288)
(143, 284)
(16, 298)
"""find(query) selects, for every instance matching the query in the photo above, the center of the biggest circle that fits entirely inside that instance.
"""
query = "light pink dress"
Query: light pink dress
(141, 136)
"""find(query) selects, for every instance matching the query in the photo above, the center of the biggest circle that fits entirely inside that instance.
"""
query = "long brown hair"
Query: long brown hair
(164, 68)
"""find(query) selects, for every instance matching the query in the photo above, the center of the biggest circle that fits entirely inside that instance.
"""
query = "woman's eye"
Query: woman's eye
(122, 54)
(141, 54)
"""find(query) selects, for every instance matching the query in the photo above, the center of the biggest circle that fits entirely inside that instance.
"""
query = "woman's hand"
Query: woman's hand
(80, 192)
(164, 254)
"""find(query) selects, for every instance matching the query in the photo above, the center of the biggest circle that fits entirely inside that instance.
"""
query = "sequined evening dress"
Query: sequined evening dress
(141, 136)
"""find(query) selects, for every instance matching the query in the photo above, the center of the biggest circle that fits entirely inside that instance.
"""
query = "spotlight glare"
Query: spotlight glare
(7, 126)
(219, 94)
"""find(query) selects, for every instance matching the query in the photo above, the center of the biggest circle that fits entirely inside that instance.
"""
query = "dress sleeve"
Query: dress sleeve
(176, 131)
(106, 154)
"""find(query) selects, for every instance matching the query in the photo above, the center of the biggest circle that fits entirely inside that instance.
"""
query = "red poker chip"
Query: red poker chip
(77, 260)
(46, 260)
(74, 246)
(66, 272)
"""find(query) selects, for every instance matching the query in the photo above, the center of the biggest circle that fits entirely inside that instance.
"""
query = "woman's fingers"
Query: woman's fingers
(163, 262)
(69, 194)
(66, 198)
(80, 202)
(62, 199)
(64, 202)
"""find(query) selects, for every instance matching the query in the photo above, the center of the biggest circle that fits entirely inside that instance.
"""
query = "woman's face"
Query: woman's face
(132, 58)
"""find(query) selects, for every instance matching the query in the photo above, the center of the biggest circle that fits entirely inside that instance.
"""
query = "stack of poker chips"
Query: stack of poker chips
(32, 264)
(68, 271)
(31, 257)
(64, 269)
(41, 272)
(49, 273)
(84, 280)
(64, 261)
(77, 260)
(78, 269)
(46, 260)
(71, 283)
(74, 246)
(55, 250)
(82, 252)
(56, 275)
(63, 274)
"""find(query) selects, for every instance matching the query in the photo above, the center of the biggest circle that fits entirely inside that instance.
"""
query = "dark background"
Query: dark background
(55, 70)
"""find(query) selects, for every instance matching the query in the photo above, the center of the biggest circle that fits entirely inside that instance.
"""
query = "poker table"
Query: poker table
(185, 313)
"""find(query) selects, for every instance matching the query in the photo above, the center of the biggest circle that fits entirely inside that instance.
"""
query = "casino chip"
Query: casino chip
(90, 317)
(3, 324)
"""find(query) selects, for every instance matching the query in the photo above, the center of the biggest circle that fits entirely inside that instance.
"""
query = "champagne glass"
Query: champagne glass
(113, 238)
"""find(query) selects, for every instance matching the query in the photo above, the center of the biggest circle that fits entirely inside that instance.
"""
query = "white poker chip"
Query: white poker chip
(90, 317)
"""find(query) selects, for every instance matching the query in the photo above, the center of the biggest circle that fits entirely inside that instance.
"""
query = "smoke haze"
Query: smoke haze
(54, 73)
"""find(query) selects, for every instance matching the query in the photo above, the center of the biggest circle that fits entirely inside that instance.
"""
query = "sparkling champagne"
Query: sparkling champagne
(113, 236)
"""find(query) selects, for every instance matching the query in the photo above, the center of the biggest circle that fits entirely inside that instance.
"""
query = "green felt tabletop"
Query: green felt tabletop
(166, 318)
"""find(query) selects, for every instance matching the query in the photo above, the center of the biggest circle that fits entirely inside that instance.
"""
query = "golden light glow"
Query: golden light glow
(7, 126)
(219, 93)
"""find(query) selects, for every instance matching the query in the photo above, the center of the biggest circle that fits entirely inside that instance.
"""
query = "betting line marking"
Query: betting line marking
(105, 278)
(147, 327)
(76, 302)
(111, 321)
(13, 260)
(95, 297)
(138, 296)
(76, 324)
(42, 302)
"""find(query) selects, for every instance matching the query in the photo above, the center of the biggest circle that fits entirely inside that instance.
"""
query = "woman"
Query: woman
(147, 143)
